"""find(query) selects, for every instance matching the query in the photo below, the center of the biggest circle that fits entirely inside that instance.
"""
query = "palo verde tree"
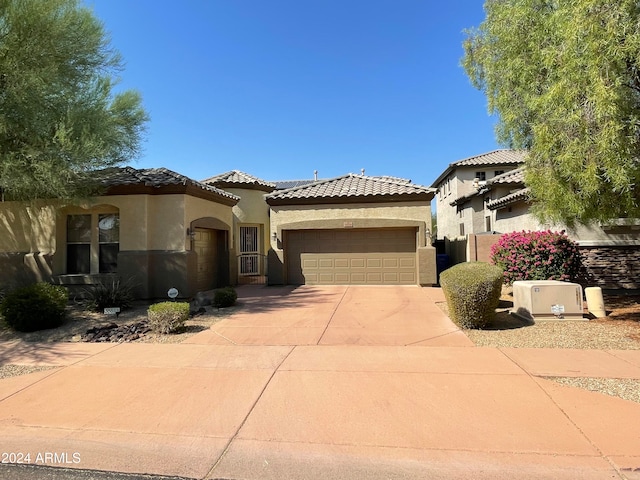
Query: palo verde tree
(564, 80)
(59, 117)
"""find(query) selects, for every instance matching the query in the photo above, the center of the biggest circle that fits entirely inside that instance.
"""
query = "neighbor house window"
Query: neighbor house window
(462, 229)
(89, 252)
(487, 222)
(498, 172)
(482, 176)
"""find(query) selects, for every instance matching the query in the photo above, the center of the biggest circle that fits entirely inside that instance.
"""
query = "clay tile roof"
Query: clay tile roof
(514, 197)
(512, 176)
(495, 158)
(350, 187)
(236, 178)
(156, 177)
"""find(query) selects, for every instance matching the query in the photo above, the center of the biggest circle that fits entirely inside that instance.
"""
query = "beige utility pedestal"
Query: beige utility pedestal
(595, 302)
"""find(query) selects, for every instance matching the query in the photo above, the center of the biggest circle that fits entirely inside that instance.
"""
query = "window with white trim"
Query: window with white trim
(93, 243)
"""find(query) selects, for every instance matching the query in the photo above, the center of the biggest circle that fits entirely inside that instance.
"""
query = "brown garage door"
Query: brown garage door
(205, 245)
(358, 256)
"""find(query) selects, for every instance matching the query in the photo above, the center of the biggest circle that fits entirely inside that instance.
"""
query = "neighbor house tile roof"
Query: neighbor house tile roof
(512, 176)
(112, 178)
(522, 194)
(351, 187)
(497, 158)
(236, 178)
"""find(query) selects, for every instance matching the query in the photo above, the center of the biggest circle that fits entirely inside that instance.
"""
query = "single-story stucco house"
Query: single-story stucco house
(153, 226)
(160, 230)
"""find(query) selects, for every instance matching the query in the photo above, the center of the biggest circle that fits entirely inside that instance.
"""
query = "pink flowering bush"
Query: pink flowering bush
(536, 256)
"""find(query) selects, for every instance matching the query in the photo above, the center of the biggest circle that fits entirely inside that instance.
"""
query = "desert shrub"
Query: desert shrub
(537, 256)
(225, 297)
(114, 293)
(167, 317)
(472, 291)
(35, 307)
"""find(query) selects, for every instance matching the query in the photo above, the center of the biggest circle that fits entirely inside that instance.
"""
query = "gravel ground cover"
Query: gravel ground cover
(620, 330)
(15, 370)
(78, 321)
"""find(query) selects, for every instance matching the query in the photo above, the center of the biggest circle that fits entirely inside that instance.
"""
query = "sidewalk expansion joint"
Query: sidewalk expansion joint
(566, 415)
(436, 337)
(253, 406)
(55, 370)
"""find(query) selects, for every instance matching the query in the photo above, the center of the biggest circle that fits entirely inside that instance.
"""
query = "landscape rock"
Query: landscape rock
(117, 333)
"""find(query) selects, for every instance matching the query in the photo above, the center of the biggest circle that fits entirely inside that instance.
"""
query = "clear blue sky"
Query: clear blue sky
(280, 88)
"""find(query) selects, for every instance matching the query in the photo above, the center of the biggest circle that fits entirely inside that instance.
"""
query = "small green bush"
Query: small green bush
(167, 317)
(35, 307)
(116, 293)
(225, 297)
(472, 291)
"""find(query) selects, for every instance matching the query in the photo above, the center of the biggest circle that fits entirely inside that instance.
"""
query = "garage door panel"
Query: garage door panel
(309, 262)
(357, 262)
(341, 278)
(375, 262)
(351, 256)
(326, 279)
(374, 277)
(407, 262)
(341, 263)
(390, 277)
(390, 262)
(356, 277)
(326, 263)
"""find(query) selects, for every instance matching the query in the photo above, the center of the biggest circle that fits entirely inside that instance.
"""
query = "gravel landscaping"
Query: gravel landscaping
(620, 330)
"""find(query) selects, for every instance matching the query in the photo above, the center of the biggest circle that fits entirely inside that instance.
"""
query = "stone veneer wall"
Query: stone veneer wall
(612, 267)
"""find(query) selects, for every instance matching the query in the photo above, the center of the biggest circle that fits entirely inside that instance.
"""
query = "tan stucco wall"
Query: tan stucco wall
(27, 227)
(196, 208)
(251, 210)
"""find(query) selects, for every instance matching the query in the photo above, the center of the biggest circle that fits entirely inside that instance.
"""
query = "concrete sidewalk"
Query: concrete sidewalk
(316, 410)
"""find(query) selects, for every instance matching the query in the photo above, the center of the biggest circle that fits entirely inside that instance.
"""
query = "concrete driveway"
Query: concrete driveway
(373, 383)
(336, 316)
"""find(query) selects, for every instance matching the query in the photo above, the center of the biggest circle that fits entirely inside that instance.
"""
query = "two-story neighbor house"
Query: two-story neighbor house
(481, 197)
(459, 209)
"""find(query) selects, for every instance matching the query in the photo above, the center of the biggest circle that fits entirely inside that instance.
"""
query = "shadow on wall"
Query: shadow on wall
(26, 245)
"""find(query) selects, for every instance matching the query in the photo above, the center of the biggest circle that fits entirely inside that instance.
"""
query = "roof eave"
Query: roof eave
(172, 189)
(426, 196)
(245, 186)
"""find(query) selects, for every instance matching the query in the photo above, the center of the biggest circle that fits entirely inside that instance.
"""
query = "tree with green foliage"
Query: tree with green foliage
(564, 80)
(59, 117)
